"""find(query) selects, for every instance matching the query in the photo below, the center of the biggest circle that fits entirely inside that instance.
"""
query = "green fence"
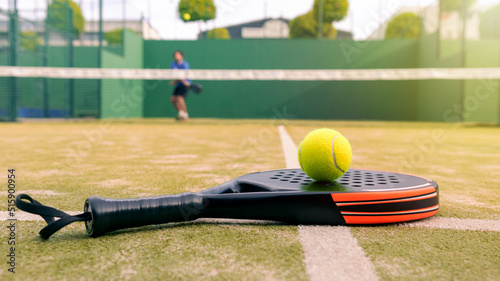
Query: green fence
(26, 42)
(50, 43)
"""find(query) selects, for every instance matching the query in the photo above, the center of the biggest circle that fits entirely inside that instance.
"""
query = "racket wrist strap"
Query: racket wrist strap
(25, 203)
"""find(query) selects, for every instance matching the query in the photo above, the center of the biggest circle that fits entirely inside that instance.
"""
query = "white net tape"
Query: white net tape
(274, 74)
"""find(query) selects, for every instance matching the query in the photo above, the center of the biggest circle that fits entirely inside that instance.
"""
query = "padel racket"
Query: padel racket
(197, 88)
(288, 195)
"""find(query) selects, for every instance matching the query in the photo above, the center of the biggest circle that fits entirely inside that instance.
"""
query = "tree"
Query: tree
(490, 22)
(306, 26)
(218, 33)
(115, 36)
(58, 12)
(333, 10)
(30, 40)
(454, 5)
(405, 25)
(195, 10)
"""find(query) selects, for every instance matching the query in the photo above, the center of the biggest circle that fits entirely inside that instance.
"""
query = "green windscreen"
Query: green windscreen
(458, 94)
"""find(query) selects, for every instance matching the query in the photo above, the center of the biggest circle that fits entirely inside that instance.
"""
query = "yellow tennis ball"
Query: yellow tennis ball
(325, 155)
(186, 16)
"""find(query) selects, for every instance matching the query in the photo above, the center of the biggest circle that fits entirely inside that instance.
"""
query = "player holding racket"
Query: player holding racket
(181, 87)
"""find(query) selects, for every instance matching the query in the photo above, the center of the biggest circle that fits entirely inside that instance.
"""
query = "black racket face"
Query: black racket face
(362, 196)
(354, 180)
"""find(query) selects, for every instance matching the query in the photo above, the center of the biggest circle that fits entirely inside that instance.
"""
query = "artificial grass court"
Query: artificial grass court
(61, 164)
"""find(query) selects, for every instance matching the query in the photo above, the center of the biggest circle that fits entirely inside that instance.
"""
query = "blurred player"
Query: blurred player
(181, 87)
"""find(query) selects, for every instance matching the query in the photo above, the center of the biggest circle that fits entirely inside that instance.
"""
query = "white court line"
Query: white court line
(330, 252)
(454, 223)
(289, 149)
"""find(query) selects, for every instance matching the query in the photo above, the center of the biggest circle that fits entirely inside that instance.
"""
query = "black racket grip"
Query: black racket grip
(113, 214)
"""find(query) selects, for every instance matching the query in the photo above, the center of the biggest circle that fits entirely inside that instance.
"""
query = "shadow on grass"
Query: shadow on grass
(60, 236)
(65, 237)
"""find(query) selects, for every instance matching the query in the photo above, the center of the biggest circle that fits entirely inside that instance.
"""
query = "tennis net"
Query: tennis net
(432, 94)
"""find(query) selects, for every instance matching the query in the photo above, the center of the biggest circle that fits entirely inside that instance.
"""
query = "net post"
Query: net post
(46, 38)
(438, 35)
(463, 54)
(124, 24)
(124, 14)
(99, 63)
(320, 19)
(14, 46)
(122, 45)
(69, 33)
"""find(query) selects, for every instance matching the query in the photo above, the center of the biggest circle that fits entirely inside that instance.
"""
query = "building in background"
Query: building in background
(91, 35)
(266, 28)
(89, 38)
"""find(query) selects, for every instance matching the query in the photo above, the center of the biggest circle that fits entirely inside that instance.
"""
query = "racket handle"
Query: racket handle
(113, 214)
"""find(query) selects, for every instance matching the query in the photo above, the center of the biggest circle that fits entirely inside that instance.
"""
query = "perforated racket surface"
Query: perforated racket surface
(361, 196)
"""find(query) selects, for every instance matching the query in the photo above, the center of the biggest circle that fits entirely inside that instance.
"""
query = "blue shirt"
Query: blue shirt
(184, 65)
